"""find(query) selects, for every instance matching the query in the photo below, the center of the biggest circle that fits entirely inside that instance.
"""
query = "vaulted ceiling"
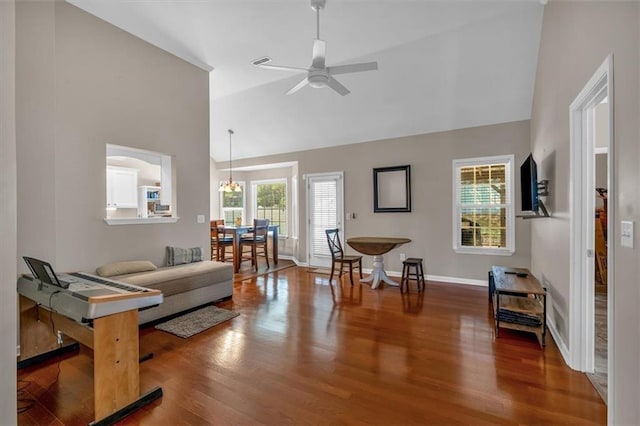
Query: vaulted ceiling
(442, 65)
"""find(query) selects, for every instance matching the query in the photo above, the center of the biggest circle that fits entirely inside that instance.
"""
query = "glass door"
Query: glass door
(325, 211)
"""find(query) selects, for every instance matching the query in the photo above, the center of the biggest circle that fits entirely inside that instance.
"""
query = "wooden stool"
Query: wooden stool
(414, 263)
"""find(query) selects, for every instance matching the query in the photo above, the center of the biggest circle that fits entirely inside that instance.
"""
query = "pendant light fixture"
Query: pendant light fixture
(230, 186)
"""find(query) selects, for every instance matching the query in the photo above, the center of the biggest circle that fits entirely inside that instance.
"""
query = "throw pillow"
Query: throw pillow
(178, 256)
(121, 268)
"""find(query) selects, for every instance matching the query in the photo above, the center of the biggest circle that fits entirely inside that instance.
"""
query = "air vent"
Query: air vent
(261, 61)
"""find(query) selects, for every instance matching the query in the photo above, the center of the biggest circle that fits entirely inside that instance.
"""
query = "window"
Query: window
(232, 206)
(270, 202)
(483, 205)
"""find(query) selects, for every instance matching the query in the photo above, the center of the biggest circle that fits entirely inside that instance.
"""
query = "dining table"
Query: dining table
(376, 247)
(236, 233)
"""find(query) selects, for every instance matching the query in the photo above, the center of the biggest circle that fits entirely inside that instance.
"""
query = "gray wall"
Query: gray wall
(429, 225)
(576, 39)
(8, 227)
(82, 83)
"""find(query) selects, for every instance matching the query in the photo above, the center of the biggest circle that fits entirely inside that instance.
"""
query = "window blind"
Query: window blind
(483, 206)
(323, 215)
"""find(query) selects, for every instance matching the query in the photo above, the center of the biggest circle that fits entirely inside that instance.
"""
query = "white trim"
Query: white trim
(140, 220)
(295, 260)
(268, 166)
(295, 211)
(581, 339)
(434, 278)
(490, 251)
(559, 342)
(300, 263)
(457, 164)
(581, 312)
(439, 278)
(457, 280)
(601, 150)
(611, 227)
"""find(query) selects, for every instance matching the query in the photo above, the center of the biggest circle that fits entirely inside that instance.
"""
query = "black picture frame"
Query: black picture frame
(392, 189)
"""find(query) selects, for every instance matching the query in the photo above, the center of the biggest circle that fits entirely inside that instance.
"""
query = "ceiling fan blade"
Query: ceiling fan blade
(337, 86)
(298, 86)
(349, 68)
(319, 53)
(283, 68)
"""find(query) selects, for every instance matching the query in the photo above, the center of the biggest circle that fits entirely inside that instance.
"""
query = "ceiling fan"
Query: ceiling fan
(318, 74)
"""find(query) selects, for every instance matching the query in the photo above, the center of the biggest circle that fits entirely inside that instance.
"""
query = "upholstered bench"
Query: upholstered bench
(183, 286)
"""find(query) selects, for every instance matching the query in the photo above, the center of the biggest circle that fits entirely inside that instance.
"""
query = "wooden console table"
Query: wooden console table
(519, 302)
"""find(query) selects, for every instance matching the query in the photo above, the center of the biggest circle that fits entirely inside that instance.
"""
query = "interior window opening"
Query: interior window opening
(139, 184)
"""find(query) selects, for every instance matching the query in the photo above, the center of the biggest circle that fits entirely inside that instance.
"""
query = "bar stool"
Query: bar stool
(415, 264)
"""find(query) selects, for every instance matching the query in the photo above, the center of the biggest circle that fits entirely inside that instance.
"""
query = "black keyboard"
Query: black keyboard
(107, 282)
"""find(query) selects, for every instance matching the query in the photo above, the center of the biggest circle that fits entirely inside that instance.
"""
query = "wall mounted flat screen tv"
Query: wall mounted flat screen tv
(529, 183)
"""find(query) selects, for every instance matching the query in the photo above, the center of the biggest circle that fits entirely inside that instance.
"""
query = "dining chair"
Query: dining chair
(256, 241)
(220, 241)
(338, 256)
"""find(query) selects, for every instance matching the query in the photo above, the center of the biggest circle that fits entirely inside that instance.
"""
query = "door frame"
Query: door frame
(339, 206)
(582, 184)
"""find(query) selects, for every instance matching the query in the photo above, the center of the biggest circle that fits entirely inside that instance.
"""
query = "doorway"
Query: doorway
(599, 376)
(591, 135)
(325, 211)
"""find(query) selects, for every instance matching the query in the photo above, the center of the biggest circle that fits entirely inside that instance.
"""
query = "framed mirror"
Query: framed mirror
(392, 189)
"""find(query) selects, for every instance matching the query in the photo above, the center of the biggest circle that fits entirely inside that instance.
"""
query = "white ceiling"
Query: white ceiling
(442, 65)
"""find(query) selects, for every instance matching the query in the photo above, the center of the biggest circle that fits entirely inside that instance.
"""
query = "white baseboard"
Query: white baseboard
(439, 278)
(562, 347)
(292, 258)
(456, 280)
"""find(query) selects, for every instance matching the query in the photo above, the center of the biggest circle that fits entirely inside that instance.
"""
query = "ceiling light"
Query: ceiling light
(230, 186)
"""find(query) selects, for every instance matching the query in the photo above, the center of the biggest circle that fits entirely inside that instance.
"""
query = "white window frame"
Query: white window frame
(254, 200)
(294, 207)
(244, 201)
(508, 160)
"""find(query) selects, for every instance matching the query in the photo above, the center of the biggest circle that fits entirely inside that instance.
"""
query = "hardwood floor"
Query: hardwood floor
(599, 378)
(306, 352)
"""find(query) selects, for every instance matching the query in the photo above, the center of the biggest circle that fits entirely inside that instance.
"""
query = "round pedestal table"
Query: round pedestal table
(376, 247)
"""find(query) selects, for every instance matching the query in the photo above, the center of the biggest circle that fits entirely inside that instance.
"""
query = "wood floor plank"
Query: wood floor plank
(307, 352)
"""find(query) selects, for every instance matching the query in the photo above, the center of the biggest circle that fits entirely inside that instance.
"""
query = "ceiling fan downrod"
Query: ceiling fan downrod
(317, 5)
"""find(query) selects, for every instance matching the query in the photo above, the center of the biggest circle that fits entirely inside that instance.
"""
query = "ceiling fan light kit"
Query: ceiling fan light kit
(317, 79)
(318, 74)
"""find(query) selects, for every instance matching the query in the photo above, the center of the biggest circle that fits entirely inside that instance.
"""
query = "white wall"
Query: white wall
(576, 39)
(8, 227)
(81, 84)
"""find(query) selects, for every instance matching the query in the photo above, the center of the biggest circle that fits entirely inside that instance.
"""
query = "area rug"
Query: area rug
(197, 321)
(323, 271)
